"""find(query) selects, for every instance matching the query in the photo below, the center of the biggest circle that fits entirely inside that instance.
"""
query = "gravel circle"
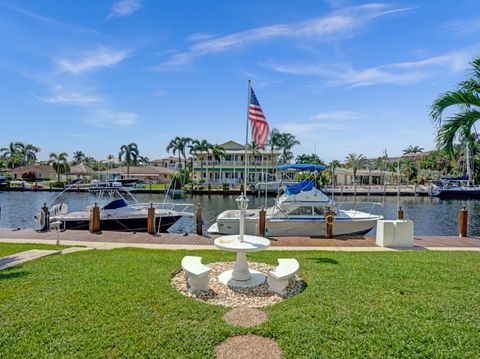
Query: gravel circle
(247, 347)
(221, 294)
(245, 317)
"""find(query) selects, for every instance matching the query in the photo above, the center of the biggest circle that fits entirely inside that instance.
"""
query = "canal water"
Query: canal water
(431, 216)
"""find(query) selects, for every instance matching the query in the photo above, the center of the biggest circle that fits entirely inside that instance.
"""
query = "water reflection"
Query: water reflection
(430, 215)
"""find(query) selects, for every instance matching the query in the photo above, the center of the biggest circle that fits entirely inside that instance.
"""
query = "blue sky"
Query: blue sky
(343, 76)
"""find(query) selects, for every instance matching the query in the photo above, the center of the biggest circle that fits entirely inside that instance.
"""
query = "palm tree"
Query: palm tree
(179, 145)
(59, 163)
(286, 142)
(218, 152)
(13, 154)
(409, 169)
(313, 159)
(413, 150)
(27, 152)
(274, 143)
(201, 146)
(128, 153)
(143, 160)
(79, 156)
(465, 98)
(355, 162)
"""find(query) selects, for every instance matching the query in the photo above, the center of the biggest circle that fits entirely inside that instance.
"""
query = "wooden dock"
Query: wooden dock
(196, 240)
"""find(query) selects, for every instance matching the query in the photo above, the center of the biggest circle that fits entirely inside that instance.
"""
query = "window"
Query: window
(302, 211)
(318, 211)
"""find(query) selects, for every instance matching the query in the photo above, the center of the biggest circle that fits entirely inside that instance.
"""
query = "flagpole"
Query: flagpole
(243, 200)
(246, 140)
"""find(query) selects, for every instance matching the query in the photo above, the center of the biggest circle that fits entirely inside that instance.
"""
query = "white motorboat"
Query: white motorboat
(300, 211)
(118, 214)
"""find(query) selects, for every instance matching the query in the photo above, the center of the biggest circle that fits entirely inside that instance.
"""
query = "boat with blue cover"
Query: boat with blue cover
(455, 188)
(302, 210)
(118, 214)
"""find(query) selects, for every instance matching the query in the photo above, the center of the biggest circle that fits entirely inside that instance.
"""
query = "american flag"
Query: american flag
(258, 121)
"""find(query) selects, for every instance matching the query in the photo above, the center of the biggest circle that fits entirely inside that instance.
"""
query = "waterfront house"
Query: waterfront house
(80, 171)
(344, 177)
(34, 171)
(171, 163)
(230, 169)
(147, 174)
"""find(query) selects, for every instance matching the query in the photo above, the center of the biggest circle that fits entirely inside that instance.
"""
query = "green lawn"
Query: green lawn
(12, 248)
(120, 303)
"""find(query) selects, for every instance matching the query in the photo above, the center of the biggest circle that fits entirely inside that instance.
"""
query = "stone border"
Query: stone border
(221, 294)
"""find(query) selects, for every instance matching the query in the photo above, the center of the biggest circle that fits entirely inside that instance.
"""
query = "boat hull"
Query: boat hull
(138, 224)
(295, 227)
(457, 194)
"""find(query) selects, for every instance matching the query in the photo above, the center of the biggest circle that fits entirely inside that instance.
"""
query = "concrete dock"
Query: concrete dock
(110, 240)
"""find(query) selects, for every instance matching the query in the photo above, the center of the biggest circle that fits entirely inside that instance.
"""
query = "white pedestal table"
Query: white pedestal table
(241, 276)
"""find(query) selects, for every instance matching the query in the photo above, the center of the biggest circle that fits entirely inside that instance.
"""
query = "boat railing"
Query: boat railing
(355, 207)
(167, 206)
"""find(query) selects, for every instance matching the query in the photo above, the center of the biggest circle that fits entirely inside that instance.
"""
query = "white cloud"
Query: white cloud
(124, 8)
(462, 26)
(341, 23)
(107, 117)
(90, 60)
(401, 73)
(338, 115)
(60, 95)
(200, 36)
(159, 93)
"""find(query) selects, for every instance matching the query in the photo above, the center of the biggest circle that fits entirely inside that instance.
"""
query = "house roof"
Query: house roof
(47, 169)
(140, 171)
(361, 172)
(161, 160)
(80, 170)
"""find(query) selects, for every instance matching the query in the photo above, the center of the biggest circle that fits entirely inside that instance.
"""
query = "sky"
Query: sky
(342, 76)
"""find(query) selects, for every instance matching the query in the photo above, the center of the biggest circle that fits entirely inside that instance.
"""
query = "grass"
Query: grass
(120, 303)
(12, 248)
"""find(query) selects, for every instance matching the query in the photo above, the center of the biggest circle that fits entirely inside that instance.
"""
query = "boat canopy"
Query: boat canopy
(301, 167)
(297, 188)
(117, 203)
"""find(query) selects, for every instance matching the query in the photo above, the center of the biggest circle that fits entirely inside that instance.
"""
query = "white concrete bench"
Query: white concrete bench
(278, 279)
(196, 273)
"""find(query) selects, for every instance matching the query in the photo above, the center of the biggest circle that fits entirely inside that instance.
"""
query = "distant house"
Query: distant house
(80, 171)
(145, 173)
(38, 171)
(171, 163)
(231, 168)
(344, 176)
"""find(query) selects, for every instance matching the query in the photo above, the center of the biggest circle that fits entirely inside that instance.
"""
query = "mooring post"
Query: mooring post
(329, 219)
(463, 222)
(151, 220)
(46, 225)
(400, 214)
(262, 217)
(198, 219)
(94, 224)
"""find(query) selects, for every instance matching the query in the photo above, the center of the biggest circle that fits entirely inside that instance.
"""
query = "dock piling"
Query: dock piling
(262, 216)
(400, 214)
(198, 219)
(46, 225)
(94, 225)
(463, 222)
(151, 220)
